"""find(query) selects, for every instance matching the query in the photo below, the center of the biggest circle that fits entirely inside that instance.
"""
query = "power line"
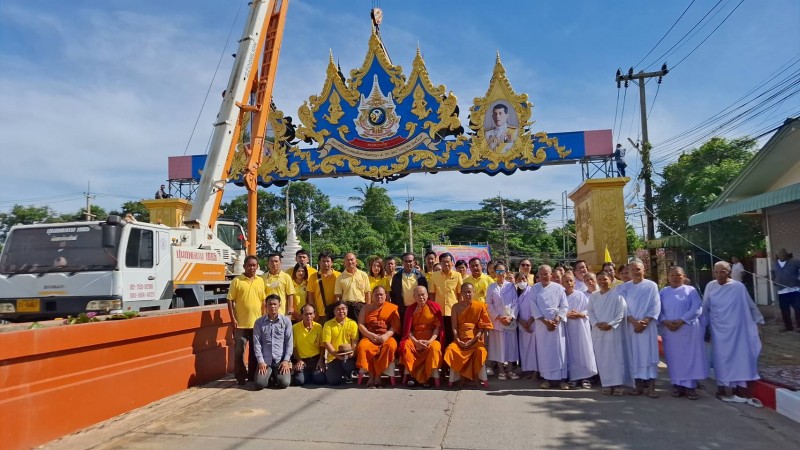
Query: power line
(709, 35)
(665, 34)
(661, 58)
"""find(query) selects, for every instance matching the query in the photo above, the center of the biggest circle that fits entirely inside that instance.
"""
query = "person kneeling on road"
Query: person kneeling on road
(273, 344)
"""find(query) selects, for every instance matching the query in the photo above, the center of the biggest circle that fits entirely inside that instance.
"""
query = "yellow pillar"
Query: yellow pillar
(168, 211)
(600, 221)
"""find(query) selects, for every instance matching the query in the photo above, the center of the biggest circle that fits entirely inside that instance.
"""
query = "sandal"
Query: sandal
(692, 394)
(618, 392)
(411, 383)
(586, 384)
(607, 391)
(501, 376)
(653, 394)
(677, 391)
(635, 392)
(755, 402)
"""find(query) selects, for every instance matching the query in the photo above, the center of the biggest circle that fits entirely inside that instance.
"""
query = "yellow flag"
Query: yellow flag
(607, 257)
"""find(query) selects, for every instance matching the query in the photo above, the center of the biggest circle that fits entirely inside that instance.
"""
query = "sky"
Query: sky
(103, 92)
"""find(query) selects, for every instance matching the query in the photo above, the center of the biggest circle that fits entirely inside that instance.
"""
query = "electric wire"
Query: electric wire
(661, 58)
(665, 34)
(213, 78)
(674, 66)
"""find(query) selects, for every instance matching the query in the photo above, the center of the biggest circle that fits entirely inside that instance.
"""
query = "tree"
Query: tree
(25, 215)
(693, 182)
(634, 241)
(137, 209)
(271, 214)
(97, 212)
(310, 205)
(375, 205)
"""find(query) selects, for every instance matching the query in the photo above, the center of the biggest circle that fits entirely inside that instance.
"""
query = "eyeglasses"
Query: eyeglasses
(500, 271)
(524, 265)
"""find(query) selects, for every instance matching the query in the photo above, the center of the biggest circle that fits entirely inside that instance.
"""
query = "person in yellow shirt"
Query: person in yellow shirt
(377, 273)
(479, 280)
(391, 268)
(340, 337)
(609, 267)
(280, 284)
(321, 287)
(246, 304)
(300, 280)
(404, 284)
(430, 261)
(302, 258)
(445, 289)
(352, 287)
(525, 267)
(461, 267)
(309, 365)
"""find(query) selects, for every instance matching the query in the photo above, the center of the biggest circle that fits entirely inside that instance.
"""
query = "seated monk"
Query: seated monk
(466, 355)
(377, 322)
(421, 348)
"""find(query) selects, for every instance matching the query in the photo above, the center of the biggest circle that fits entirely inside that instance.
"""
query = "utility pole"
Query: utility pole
(89, 197)
(647, 168)
(410, 225)
(505, 231)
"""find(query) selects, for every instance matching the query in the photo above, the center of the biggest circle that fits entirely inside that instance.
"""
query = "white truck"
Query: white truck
(55, 270)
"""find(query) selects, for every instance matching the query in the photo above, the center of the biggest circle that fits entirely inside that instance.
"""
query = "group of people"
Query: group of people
(564, 325)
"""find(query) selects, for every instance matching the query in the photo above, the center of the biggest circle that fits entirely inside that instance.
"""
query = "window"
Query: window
(140, 248)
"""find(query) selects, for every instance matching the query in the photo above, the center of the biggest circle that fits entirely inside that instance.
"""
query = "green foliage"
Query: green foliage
(137, 209)
(26, 215)
(634, 241)
(692, 183)
(271, 212)
(377, 208)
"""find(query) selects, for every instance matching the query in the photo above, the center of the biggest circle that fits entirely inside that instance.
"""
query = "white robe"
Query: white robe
(527, 341)
(551, 346)
(684, 349)
(734, 320)
(642, 300)
(501, 301)
(610, 347)
(580, 354)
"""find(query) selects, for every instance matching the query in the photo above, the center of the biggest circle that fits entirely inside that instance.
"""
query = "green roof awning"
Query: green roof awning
(673, 241)
(784, 195)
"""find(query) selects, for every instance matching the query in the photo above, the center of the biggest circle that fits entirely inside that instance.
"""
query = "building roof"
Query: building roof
(763, 182)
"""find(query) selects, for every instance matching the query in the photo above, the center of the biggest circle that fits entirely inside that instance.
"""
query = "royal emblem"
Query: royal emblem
(377, 119)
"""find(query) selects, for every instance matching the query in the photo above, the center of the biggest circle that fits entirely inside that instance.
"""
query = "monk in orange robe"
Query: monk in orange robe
(423, 331)
(466, 355)
(377, 323)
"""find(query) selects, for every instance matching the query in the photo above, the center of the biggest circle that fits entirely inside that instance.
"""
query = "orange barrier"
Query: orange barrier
(59, 379)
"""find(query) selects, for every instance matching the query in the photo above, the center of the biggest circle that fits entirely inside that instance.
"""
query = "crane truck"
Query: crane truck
(55, 270)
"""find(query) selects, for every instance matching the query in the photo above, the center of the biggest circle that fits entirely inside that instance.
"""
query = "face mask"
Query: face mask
(522, 285)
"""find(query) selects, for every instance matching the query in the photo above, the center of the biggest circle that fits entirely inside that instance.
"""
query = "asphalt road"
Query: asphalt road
(509, 415)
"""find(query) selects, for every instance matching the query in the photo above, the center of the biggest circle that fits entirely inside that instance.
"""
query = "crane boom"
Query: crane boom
(236, 96)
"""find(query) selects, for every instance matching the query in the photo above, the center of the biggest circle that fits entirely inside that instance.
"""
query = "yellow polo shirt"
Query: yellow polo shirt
(281, 285)
(339, 333)
(409, 284)
(447, 289)
(352, 287)
(313, 292)
(307, 342)
(375, 282)
(248, 296)
(481, 285)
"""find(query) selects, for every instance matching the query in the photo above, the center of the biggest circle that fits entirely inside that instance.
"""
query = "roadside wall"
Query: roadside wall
(59, 379)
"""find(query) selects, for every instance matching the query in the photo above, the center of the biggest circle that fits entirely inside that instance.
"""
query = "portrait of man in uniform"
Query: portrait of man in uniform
(500, 128)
